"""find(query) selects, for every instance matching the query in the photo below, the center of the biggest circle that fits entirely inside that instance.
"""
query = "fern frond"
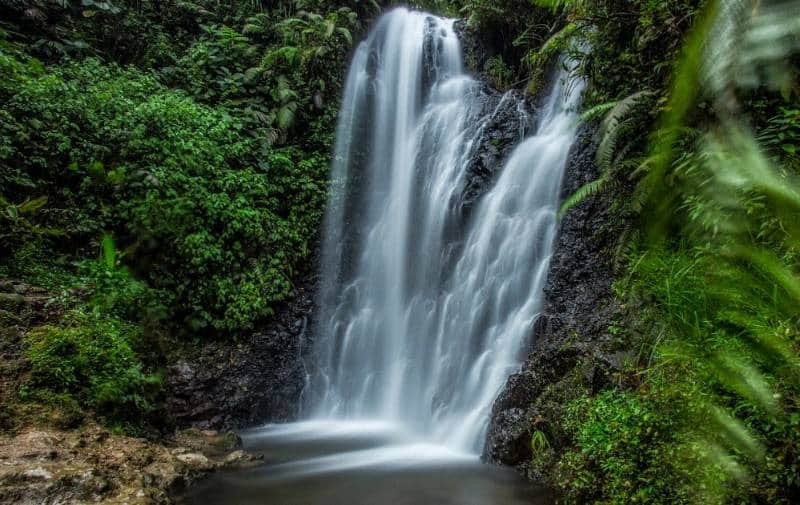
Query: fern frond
(745, 38)
(618, 122)
(286, 115)
(596, 112)
(258, 25)
(536, 59)
(587, 190)
(345, 33)
(723, 46)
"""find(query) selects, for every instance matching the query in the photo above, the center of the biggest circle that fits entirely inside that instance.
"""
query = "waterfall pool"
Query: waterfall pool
(360, 463)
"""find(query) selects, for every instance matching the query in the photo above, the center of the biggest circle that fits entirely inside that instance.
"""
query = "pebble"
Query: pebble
(38, 473)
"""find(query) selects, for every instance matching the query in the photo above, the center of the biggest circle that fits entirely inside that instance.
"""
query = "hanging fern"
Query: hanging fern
(596, 112)
(587, 190)
(537, 60)
(622, 120)
(619, 122)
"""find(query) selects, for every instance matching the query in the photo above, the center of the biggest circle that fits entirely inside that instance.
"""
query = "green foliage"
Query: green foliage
(586, 191)
(539, 59)
(712, 281)
(633, 44)
(630, 450)
(197, 135)
(539, 442)
(717, 280)
(113, 291)
(236, 236)
(499, 74)
(275, 70)
(781, 137)
(91, 360)
(511, 32)
(123, 153)
(720, 331)
(622, 120)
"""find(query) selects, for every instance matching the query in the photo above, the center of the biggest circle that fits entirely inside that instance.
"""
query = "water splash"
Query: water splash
(425, 310)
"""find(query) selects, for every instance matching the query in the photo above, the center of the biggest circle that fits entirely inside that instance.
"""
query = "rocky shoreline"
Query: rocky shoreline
(92, 465)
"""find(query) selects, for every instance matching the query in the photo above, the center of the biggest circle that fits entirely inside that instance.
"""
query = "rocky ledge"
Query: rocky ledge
(91, 465)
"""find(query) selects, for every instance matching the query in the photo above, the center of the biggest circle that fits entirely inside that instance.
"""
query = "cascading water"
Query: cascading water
(426, 308)
(429, 294)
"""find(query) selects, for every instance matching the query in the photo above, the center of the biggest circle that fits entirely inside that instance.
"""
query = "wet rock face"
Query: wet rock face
(511, 440)
(509, 121)
(473, 47)
(259, 379)
(570, 341)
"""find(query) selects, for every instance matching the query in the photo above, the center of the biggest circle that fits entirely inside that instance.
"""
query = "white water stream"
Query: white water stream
(424, 316)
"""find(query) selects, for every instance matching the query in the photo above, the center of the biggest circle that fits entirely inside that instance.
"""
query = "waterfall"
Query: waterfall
(427, 303)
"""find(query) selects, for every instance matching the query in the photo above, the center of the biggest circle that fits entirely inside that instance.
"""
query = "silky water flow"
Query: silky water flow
(427, 301)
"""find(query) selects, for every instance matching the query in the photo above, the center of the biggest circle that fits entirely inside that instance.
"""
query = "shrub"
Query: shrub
(208, 218)
(91, 359)
(630, 450)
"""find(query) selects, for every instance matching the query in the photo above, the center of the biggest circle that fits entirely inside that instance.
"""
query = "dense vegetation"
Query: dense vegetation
(163, 167)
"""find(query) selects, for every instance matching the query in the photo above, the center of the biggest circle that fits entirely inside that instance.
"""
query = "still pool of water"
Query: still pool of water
(360, 463)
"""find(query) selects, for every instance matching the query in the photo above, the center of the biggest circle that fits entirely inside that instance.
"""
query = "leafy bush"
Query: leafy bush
(205, 216)
(92, 360)
(110, 289)
(197, 134)
(500, 76)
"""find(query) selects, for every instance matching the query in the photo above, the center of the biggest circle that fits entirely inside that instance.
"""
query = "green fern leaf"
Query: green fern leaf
(587, 190)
